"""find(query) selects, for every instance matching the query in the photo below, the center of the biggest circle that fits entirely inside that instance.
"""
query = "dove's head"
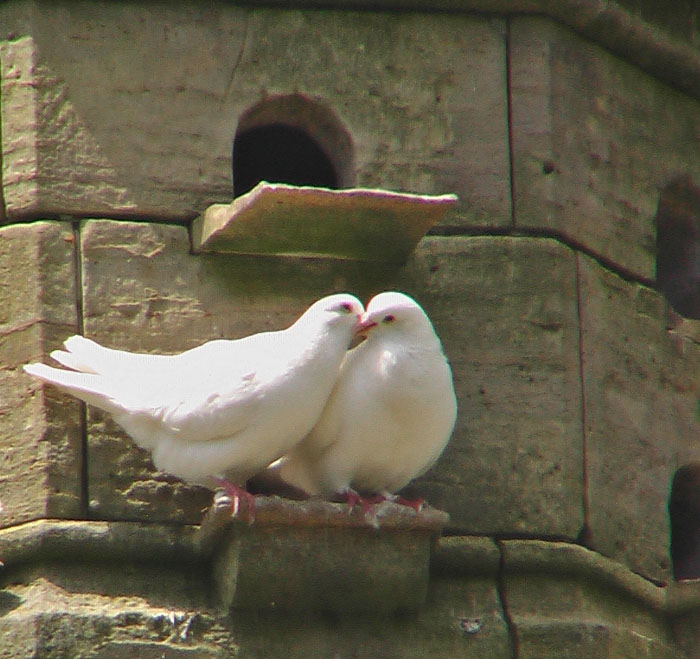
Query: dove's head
(342, 311)
(395, 314)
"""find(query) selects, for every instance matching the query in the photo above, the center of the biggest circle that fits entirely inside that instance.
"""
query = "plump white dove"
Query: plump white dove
(391, 413)
(219, 413)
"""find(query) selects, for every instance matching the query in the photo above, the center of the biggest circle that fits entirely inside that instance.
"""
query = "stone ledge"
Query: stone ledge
(313, 555)
(466, 556)
(566, 600)
(51, 540)
(287, 220)
(568, 560)
(276, 511)
(472, 555)
(558, 597)
(301, 555)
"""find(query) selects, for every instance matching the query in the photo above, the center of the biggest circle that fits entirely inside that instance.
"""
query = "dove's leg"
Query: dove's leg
(237, 493)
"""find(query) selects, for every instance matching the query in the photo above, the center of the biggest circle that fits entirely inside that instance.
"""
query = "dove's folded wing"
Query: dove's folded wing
(208, 392)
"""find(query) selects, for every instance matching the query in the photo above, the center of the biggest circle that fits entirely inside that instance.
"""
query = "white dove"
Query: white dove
(391, 413)
(219, 413)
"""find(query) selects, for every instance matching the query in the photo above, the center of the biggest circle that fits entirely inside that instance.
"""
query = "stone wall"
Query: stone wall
(577, 383)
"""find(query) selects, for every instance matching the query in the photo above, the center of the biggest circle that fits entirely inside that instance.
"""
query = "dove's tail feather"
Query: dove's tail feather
(81, 354)
(87, 356)
(89, 387)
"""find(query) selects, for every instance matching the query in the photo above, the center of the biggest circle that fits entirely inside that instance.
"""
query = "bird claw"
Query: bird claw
(235, 493)
(367, 504)
(416, 504)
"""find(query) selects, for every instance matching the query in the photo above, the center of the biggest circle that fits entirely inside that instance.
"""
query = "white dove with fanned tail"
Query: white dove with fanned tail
(391, 413)
(225, 409)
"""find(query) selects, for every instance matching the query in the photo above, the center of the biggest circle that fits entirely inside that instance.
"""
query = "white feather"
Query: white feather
(391, 413)
(223, 409)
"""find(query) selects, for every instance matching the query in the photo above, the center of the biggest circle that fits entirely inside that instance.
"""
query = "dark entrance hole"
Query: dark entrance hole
(279, 154)
(678, 247)
(684, 512)
(291, 139)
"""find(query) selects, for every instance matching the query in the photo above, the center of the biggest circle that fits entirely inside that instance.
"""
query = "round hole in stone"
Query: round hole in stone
(678, 246)
(684, 513)
(279, 154)
(291, 139)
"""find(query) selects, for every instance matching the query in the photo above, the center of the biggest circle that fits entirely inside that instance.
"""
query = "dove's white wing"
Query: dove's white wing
(185, 393)
(219, 387)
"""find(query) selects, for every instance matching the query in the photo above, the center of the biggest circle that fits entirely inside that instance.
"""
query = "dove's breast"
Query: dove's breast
(388, 421)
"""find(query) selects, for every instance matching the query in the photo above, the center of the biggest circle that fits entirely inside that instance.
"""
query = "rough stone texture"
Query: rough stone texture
(66, 613)
(315, 556)
(50, 157)
(332, 569)
(87, 129)
(506, 311)
(661, 38)
(595, 142)
(642, 384)
(143, 291)
(684, 614)
(37, 275)
(437, 630)
(98, 589)
(40, 434)
(114, 611)
(103, 589)
(462, 616)
(566, 601)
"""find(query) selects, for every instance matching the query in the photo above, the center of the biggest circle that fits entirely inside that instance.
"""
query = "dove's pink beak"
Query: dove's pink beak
(364, 326)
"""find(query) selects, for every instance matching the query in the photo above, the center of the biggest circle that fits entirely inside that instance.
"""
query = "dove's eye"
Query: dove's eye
(390, 318)
(346, 306)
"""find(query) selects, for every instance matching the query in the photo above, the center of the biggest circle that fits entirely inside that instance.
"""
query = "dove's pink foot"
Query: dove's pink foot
(237, 493)
(416, 504)
(353, 499)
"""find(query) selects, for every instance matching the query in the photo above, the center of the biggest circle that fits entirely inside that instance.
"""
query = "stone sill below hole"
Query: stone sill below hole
(310, 222)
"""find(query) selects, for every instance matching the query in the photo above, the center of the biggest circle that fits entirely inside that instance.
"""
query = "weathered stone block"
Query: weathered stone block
(641, 385)
(506, 311)
(41, 438)
(145, 292)
(109, 588)
(316, 568)
(684, 613)
(40, 433)
(595, 141)
(37, 271)
(86, 129)
(99, 589)
(464, 577)
(462, 617)
(59, 615)
(566, 601)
